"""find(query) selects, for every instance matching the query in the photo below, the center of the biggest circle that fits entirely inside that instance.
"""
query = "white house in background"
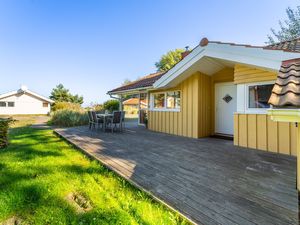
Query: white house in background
(24, 101)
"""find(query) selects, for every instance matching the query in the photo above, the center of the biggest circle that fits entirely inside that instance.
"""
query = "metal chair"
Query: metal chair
(97, 120)
(91, 121)
(116, 119)
(123, 120)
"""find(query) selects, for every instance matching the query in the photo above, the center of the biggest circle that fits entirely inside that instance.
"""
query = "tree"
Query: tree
(126, 81)
(168, 60)
(289, 29)
(61, 94)
(111, 105)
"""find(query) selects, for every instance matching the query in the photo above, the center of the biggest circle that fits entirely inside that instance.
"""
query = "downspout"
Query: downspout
(119, 99)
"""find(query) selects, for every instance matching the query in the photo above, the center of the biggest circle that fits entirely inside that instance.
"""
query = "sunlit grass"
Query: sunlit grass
(38, 170)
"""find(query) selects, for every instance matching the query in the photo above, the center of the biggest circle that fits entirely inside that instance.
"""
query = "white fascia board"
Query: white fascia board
(179, 68)
(269, 59)
(8, 94)
(39, 96)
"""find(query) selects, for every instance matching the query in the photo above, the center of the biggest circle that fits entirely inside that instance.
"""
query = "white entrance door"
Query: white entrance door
(225, 106)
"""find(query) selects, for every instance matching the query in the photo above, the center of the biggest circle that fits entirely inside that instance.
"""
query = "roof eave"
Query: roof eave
(264, 58)
(130, 91)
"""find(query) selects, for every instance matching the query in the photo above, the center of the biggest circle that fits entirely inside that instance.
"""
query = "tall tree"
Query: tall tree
(61, 94)
(289, 28)
(168, 60)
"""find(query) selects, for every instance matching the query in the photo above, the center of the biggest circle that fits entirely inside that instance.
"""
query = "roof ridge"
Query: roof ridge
(280, 42)
(287, 46)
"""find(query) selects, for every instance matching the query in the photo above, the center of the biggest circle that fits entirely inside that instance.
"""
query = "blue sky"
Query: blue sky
(92, 46)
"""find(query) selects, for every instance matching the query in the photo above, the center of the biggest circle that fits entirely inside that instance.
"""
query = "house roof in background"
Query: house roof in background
(286, 90)
(133, 101)
(22, 90)
(144, 82)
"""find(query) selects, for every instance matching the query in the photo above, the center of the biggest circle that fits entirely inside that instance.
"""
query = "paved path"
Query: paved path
(41, 122)
(208, 180)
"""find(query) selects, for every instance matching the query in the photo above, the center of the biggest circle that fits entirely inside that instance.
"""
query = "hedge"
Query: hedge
(4, 125)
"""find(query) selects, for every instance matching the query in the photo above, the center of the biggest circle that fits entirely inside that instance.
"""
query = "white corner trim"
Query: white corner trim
(240, 103)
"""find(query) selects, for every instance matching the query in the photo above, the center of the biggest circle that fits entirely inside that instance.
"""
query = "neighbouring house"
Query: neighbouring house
(131, 105)
(24, 101)
(220, 89)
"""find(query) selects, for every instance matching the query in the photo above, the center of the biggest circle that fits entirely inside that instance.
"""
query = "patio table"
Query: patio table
(105, 116)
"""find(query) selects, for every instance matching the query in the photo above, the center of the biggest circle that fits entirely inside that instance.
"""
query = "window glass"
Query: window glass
(10, 104)
(259, 96)
(45, 104)
(143, 100)
(2, 104)
(173, 100)
(159, 101)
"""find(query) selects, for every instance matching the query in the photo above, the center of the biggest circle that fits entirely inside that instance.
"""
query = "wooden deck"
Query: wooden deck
(208, 180)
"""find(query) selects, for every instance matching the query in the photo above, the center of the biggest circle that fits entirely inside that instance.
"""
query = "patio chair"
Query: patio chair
(96, 120)
(116, 119)
(91, 121)
(123, 120)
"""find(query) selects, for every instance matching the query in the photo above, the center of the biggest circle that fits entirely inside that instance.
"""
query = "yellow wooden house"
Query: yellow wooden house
(220, 89)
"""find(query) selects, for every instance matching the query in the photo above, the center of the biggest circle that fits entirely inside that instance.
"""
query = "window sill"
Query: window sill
(165, 110)
(253, 111)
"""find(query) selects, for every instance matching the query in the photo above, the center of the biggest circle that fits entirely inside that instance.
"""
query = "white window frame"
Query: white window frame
(246, 100)
(164, 109)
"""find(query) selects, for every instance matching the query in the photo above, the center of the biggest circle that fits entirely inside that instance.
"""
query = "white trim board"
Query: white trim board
(28, 92)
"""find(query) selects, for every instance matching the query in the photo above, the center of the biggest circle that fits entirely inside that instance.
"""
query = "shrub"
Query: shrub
(69, 118)
(66, 105)
(111, 105)
(98, 107)
(4, 125)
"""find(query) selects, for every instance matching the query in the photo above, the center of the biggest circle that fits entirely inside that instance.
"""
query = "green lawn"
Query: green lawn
(39, 170)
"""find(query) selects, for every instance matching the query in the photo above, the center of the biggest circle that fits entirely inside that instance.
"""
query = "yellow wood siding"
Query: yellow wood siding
(244, 74)
(193, 120)
(259, 131)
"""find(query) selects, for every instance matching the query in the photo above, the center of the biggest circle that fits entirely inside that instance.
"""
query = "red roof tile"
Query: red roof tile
(286, 90)
(292, 45)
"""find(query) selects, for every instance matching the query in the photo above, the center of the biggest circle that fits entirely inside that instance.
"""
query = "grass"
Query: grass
(39, 170)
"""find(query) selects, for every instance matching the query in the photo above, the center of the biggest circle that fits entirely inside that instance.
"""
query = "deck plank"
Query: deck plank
(208, 180)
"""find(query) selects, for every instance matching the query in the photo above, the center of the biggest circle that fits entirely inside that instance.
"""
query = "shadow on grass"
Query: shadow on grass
(8, 178)
(2, 166)
(82, 169)
(30, 154)
(35, 207)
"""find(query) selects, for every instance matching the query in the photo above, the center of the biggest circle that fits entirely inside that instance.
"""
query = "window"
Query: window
(173, 100)
(143, 101)
(45, 104)
(2, 104)
(10, 104)
(258, 95)
(159, 101)
(166, 101)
